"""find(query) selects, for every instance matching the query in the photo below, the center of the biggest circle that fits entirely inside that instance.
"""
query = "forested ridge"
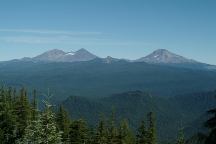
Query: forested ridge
(188, 110)
(21, 122)
(98, 79)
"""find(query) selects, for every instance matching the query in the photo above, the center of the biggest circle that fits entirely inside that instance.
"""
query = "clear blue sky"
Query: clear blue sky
(119, 28)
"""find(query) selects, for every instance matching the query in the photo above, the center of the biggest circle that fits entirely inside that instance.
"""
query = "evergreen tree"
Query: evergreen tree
(34, 109)
(22, 123)
(22, 111)
(78, 132)
(101, 133)
(151, 129)
(63, 122)
(91, 136)
(50, 133)
(42, 129)
(7, 119)
(125, 136)
(142, 135)
(112, 130)
(33, 132)
(180, 139)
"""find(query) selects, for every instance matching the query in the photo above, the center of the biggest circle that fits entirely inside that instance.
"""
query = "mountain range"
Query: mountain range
(158, 57)
(82, 73)
(97, 78)
(56, 55)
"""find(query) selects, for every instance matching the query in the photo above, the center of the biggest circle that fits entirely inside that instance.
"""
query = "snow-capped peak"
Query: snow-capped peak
(164, 56)
(61, 56)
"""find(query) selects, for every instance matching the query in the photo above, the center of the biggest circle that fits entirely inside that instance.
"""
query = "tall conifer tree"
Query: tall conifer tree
(50, 132)
(42, 129)
(180, 138)
(151, 129)
(34, 109)
(101, 132)
(7, 119)
(142, 135)
(63, 122)
(78, 132)
(112, 130)
(22, 111)
(125, 135)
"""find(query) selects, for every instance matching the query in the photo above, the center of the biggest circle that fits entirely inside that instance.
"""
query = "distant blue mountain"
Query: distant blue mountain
(158, 57)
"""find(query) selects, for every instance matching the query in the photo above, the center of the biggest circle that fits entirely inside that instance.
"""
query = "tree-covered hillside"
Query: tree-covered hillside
(98, 79)
(127, 118)
(21, 122)
(185, 110)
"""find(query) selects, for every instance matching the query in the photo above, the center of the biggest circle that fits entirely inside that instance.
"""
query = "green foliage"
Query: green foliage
(22, 111)
(50, 133)
(33, 132)
(180, 138)
(198, 138)
(125, 135)
(42, 129)
(34, 108)
(142, 135)
(101, 135)
(63, 122)
(210, 136)
(7, 119)
(135, 104)
(112, 129)
(21, 122)
(147, 135)
(78, 133)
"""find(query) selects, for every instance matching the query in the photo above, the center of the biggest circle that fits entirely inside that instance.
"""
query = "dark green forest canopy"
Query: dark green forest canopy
(131, 109)
(187, 110)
